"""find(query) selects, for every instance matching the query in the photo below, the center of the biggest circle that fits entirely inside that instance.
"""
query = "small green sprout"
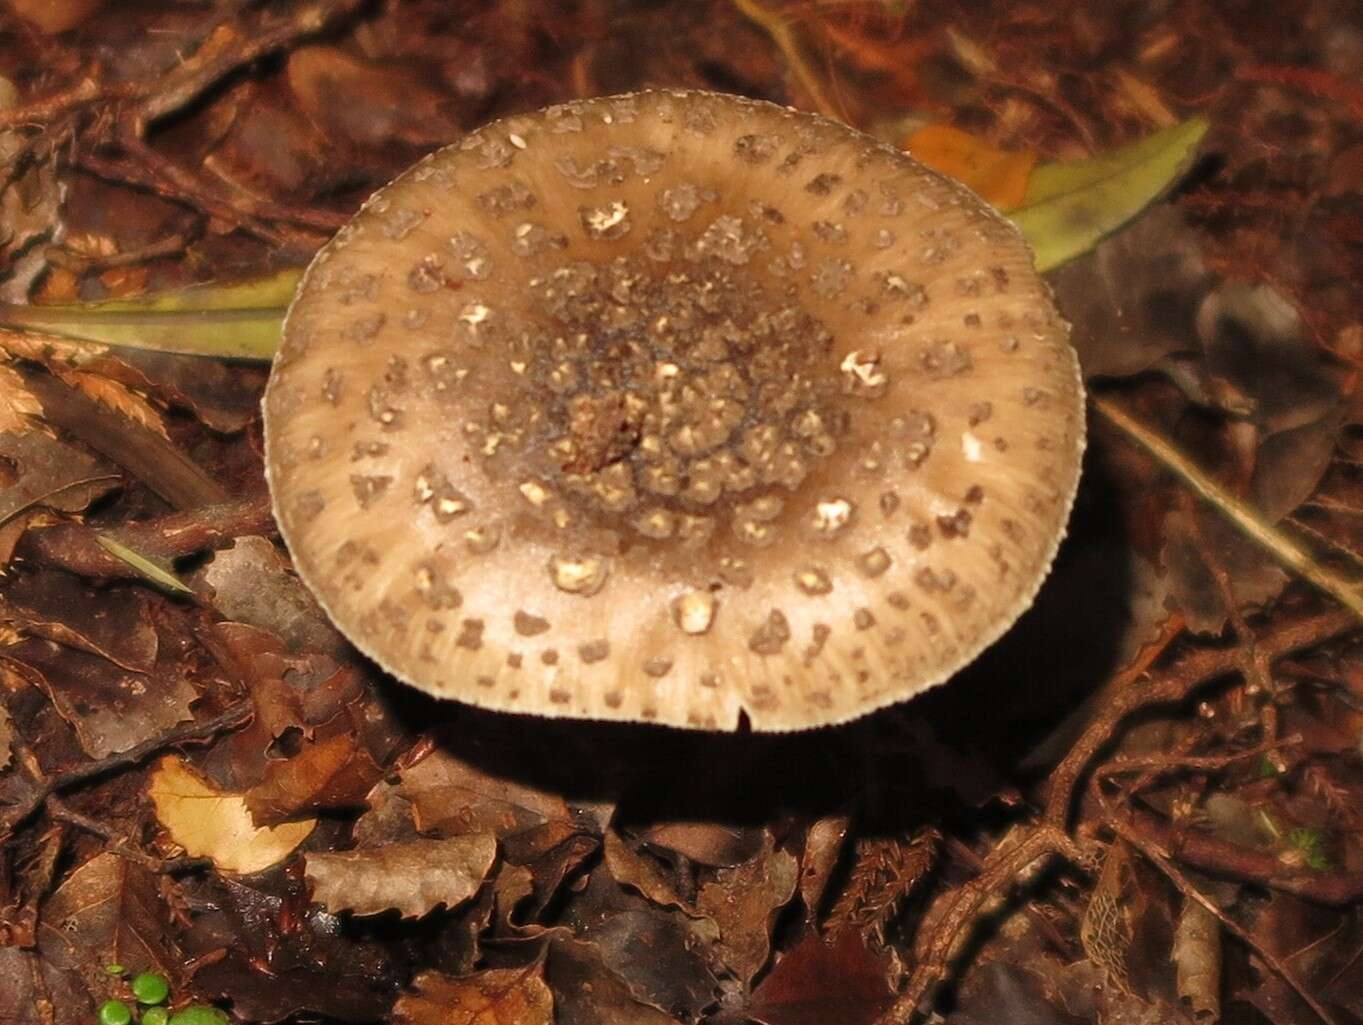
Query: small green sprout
(1310, 843)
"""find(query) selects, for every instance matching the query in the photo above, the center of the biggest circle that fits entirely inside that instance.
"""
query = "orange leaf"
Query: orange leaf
(997, 176)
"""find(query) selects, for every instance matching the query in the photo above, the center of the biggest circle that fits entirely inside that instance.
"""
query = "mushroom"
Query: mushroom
(674, 407)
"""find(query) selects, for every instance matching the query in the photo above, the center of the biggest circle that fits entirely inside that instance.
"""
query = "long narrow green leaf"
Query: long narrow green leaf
(239, 321)
(141, 564)
(1067, 209)
(1070, 206)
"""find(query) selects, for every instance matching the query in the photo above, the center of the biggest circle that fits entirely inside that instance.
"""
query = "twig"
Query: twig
(1161, 860)
(1218, 857)
(194, 732)
(1175, 762)
(63, 812)
(1175, 684)
(956, 912)
(783, 35)
(79, 262)
(73, 546)
(1249, 520)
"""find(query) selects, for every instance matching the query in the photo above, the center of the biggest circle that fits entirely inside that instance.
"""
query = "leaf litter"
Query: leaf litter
(216, 787)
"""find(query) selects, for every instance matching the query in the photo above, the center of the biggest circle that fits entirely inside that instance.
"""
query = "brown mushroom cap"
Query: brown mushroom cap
(672, 406)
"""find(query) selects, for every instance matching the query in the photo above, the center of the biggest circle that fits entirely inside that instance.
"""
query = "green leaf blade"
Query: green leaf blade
(238, 321)
(1070, 206)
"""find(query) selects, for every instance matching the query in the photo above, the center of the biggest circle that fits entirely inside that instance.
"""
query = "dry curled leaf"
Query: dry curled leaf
(744, 902)
(212, 823)
(1197, 956)
(333, 773)
(412, 878)
(641, 872)
(499, 996)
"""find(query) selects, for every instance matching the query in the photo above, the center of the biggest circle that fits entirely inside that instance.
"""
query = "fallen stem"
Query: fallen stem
(956, 912)
(1262, 868)
(1287, 550)
(1175, 684)
(1162, 861)
(783, 35)
(194, 732)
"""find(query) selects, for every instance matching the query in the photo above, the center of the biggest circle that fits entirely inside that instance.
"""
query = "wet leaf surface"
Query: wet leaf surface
(499, 996)
(412, 878)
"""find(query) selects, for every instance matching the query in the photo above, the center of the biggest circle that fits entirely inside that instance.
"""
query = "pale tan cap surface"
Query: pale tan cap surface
(672, 406)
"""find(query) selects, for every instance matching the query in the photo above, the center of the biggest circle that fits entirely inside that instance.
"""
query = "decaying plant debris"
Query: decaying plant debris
(1143, 805)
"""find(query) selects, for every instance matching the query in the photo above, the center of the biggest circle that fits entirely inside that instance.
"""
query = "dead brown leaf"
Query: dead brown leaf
(641, 872)
(412, 878)
(325, 775)
(109, 911)
(589, 994)
(111, 708)
(823, 846)
(252, 584)
(114, 624)
(498, 996)
(709, 843)
(744, 902)
(839, 979)
(452, 796)
(1197, 957)
(37, 469)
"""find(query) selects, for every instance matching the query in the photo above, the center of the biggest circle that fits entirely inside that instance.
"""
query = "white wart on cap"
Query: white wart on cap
(674, 407)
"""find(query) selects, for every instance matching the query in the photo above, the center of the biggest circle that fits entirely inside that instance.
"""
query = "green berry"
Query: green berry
(114, 1012)
(114, 969)
(198, 1014)
(150, 988)
(155, 1016)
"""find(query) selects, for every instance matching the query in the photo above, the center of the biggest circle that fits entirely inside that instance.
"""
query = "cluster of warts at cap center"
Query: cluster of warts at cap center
(665, 397)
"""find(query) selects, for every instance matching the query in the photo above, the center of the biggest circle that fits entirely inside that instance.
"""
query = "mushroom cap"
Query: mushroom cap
(670, 407)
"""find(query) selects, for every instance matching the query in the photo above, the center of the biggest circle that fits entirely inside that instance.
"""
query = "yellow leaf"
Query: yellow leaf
(212, 823)
(998, 176)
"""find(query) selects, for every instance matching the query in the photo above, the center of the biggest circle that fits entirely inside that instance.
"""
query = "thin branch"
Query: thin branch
(1262, 868)
(73, 546)
(1161, 860)
(1175, 684)
(1287, 550)
(63, 812)
(190, 733)
(956, 912)
(783, 35)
